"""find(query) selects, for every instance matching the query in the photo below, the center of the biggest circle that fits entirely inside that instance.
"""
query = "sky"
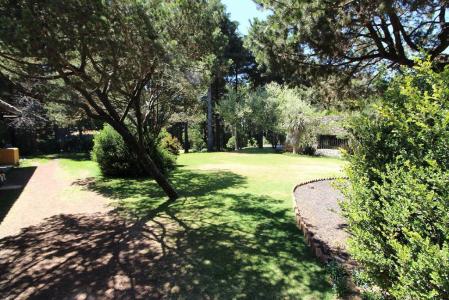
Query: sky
(243, 11)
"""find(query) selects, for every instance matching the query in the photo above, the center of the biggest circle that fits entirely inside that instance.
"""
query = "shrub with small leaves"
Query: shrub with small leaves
(115, 158)
(398, 193)
(339, 277)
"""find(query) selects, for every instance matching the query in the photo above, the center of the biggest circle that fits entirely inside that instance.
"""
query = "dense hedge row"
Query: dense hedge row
(398, 197)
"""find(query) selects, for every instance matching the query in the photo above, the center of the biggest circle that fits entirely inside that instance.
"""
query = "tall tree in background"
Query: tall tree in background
(264, 114)
(234, 109)
(301, 35)
(298, 118)
(118, 57)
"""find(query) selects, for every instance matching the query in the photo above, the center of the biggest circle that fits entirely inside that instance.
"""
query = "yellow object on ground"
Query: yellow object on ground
(9, 156)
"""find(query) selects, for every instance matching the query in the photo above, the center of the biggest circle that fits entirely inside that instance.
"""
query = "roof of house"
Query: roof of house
(332, 125)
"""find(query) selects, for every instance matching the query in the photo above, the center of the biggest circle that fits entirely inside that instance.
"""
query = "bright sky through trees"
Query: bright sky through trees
(243, 11)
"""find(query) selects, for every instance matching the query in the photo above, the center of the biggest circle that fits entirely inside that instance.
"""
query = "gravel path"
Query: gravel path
(317, 203)
(49, 192)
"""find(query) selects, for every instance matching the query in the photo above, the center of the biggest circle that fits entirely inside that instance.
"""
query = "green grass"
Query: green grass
(239, 238)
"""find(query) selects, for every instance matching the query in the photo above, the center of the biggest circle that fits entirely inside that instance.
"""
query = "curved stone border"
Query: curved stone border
(321, 251)
(317, 180)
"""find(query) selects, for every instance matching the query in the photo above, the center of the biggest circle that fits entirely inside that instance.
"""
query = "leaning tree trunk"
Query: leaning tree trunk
(150, 167)
(146, 162)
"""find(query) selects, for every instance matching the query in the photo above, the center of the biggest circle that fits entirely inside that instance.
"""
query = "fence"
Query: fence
(331, 142)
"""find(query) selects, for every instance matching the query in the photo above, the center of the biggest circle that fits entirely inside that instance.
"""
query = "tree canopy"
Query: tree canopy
(127, 63)
(349, 35)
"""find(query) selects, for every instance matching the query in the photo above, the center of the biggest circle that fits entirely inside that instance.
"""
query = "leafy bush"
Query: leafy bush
(231, 143)
(339, 277)
(398, 194)
(115, 158)
(169, 142)
(252, 142)
(308, 150)
(196, 139)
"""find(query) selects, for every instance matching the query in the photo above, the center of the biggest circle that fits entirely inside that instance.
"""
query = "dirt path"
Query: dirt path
(50, 192)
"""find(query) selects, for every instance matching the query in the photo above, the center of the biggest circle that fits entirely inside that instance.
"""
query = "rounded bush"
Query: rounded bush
(116, 159)
(231, 143)
(169, 142)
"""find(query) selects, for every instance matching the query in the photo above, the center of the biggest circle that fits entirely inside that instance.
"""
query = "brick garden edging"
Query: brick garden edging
(320, 249)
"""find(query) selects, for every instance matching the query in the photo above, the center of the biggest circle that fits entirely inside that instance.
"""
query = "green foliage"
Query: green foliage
(339, 277)
(231, 143)
(252, 142)
(397, 205)
(265, 113)
(298, 118)
(235, 110)
(197, 138)
(116, 159)
(275, 110)
(169, 142)
(128, 63)
(112, 155)
(306, 37)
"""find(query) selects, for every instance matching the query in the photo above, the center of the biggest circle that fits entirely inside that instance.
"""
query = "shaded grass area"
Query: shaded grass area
(265, 150)
(231, 235)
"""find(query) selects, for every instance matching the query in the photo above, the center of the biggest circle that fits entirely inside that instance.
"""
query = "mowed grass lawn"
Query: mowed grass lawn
(239, 238)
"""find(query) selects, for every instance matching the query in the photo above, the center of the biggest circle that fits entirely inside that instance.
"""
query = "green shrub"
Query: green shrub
(398, 191)
(231, 143)
(196, 138)
(252, 142)
(115, 158)
(169, 142)
(339, 278)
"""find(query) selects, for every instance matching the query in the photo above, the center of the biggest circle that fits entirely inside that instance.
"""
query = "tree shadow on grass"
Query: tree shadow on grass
(142, 195)
(211, 244)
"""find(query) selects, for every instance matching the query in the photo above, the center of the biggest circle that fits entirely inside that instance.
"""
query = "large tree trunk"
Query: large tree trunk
(210, 133)
(259, 138)
(236, 147)
(217, 135)
(150, 167)
(186, 137)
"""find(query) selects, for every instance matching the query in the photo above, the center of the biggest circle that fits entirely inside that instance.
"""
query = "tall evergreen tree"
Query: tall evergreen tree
(121, 58)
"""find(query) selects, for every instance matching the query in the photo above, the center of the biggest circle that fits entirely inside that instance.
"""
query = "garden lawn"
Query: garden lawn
(235, 234)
